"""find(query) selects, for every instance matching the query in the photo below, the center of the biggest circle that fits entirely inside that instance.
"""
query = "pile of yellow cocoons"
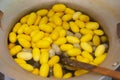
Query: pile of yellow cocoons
(37, 39)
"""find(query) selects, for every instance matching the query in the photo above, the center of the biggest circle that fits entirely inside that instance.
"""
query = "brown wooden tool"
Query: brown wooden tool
(93, 68)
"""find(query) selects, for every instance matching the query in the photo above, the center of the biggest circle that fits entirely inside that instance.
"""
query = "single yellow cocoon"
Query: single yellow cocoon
(53, 60)
(16, 27)
(96, 40)
(25, 43)
(98, 60)
(59, 7)
(57, 71)
(27, 67)
(67, 75)
(43, 44)
(44, 70)
(99, 50)
(14, 50)
(74, 27)
(86, 38)
(65, 47)
(80, 72)
(44, 57)
(74, 52)
(24, 55)
(31, 19)
(42, 12)
(92, 25)
(36, 54)
(86, 46)
(60, 41)
(12, 37)
(72, 39)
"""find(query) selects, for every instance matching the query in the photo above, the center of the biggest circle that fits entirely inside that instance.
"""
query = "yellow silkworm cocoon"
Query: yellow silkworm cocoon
(24, 43)
(43, 20)
(53, 60)
(67, 17)
(57, 20)
(36, 54)
(84, 18)
(44, 57)
(45, 27)
(86, 31)
(39, 35)
(72, 39)
(27, 67)
(31, 19)
(44, 70)
(14, 50)
(37, 20)
(65, 47)
(59, 7)
(96, 40)
(74, 52)
(16, 27)
(86, 46)
(24, 55)
(82, 59)
(98, 60)
(12, 37)
(92, 25)
(50, 13)
(79, 23)
(35, 71)
(67, 75)
(11, 45)
(43, 44)
(80, 72)
(60, 41)
(74, 27)
(76, 15)
(21, 29)
(65, 25)
(24, 36)
(69, 11)
(20, 61)
(99, 50)
(24, 19)
(57, 71)
(42, 12)
(86, 38)
(87, 55)
(99, 32)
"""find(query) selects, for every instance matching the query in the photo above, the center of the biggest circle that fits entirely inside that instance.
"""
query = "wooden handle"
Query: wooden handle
(93, 68)
(107, 72)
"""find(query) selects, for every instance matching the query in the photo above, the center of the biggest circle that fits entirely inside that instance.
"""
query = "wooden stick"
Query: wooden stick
(107, 72)
(93, 68)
